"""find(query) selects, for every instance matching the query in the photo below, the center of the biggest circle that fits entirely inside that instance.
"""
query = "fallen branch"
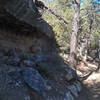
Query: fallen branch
(87, 75)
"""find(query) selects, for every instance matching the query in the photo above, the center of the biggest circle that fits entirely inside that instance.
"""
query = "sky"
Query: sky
(95, 1)
(50, 0)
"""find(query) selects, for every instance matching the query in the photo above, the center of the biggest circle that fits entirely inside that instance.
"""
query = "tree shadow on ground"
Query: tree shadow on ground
(90, 92)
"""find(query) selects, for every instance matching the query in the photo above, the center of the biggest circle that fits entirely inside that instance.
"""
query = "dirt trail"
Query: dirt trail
(90, 92)
(91, 86)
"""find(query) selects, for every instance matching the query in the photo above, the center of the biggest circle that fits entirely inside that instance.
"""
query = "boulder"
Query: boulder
(34, 80)
(29, 63)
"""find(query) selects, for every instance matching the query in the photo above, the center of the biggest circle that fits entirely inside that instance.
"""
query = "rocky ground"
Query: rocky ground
(25, 76)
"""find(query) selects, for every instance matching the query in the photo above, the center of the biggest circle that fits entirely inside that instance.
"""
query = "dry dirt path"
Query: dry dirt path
(90, 92)
(91, 86)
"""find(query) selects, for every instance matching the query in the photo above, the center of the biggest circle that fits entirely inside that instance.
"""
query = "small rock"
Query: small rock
(14, 61)
(48, 88)
(29, 63)
(39, 58)
(78, 86)
(71, 75)
(73, 90)
(27, 98)
(69, 96)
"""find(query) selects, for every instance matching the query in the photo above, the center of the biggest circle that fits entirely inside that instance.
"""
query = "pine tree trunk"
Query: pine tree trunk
(74, 36)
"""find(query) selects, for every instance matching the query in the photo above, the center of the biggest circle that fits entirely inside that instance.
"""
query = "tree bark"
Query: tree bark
(99, 47)
(74, 36)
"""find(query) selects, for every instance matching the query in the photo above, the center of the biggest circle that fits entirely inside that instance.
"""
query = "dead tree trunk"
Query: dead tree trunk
(74, 36)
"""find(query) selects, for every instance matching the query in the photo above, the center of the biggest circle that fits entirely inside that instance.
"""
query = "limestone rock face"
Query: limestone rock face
(26, 10)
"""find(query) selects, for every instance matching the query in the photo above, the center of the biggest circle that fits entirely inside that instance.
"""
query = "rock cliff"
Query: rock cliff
(30, 65)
